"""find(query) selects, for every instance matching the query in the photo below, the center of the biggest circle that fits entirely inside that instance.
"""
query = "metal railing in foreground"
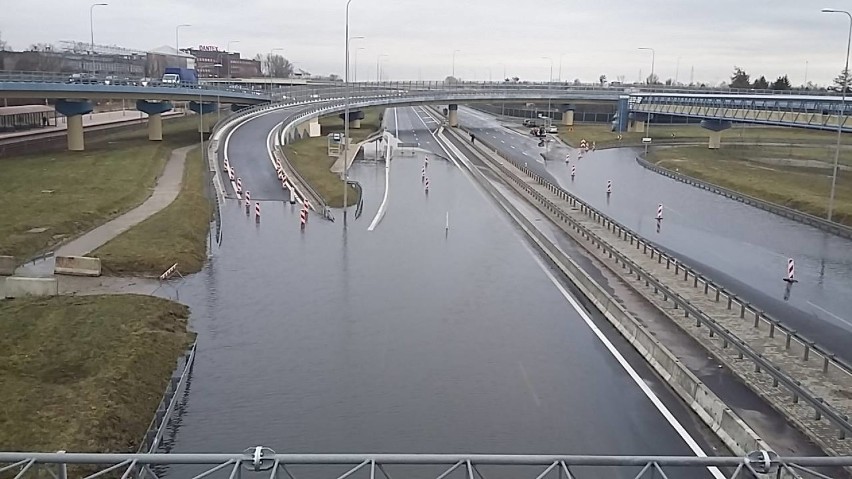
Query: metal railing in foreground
(436, 466)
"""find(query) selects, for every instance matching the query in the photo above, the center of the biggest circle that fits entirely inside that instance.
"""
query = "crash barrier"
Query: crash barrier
(7, 265)
(733, 431)
(18, 287)
(77, 266)
(793, 342)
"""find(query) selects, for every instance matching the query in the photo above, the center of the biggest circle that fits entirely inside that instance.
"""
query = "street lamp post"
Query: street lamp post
(453, 74)
(842, 111)
(503, 102)
(549, 81)
(652, 77)
(92, 30)
(177, 36)
(653, 56)
(269, 67)
(346, 124)
(228, 56)
(378, 63)
(355, 64)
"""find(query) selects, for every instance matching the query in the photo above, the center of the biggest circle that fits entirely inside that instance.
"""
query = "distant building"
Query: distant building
(210, 62)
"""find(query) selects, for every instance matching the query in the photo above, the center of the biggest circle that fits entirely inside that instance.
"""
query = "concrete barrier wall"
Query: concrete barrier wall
(77, 266)
(18, 287)
(732, 430)
(7, 265)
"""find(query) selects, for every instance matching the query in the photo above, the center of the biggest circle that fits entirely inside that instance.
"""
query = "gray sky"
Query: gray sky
(592, 37)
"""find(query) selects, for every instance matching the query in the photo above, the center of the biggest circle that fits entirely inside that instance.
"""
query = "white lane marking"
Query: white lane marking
(830, 313)
(529, 384)
(512, 146)
(524, 153)
(669, 417)
(658, 404)
(380, 213)
(503, 141)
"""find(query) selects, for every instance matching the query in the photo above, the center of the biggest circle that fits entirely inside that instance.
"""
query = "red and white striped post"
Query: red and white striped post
(660, 212)
(239, 186)
(230, 174)
(280, 176)
(423, 174)
(568, 157)
(425, 162)
(257, 212)
(426, 185)
(608, 187)
(791, 272)
(303, 218)
(248, 201)
(573, 171)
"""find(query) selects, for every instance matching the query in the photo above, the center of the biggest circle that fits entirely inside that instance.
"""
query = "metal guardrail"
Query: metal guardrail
(808, 219)
(821, 408)
(174, 390)
(263, 460)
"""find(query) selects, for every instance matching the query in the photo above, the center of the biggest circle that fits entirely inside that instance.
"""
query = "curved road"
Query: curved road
(741, 247)
(409, 338)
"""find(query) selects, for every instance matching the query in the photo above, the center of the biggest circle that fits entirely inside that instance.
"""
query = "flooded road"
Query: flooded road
(741, 247)
(409, 338)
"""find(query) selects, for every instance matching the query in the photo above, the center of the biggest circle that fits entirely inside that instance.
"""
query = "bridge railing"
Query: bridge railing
(262, 460)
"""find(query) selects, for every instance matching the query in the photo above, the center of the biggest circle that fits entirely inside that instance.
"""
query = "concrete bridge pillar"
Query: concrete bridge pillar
(620, 122)
(355, 117)
(154, 109)
(203, 109)
(716, 128)
(453, 115)
(314, 128)
(567, 115)
(74, 111)
(636, 126)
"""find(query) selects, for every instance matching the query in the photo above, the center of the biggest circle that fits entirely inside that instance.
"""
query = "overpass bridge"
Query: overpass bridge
(719, 110)
(716, 108)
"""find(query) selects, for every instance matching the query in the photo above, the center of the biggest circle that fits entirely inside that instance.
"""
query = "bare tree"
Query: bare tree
(277, 66)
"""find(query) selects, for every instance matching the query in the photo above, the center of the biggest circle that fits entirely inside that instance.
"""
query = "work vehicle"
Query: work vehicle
(173, 76)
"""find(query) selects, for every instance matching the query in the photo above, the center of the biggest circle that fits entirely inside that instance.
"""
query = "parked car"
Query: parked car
(83, 78)
(553, 129)
(530, 122)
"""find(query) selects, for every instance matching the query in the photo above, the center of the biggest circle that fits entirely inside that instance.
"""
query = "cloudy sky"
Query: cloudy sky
(588, 37)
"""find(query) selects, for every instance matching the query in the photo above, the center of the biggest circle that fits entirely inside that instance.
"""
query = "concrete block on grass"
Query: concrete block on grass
(18, 287)
(77, 266)
(7, 265)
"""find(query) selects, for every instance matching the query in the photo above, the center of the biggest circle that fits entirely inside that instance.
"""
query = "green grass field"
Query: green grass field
(177, 234)
(63, 194)
(310, 157)
(85, 373)
(667, 134)
(804, 189)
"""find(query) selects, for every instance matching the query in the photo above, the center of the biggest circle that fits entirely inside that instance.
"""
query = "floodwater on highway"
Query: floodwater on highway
(410, 338)
(742, 247)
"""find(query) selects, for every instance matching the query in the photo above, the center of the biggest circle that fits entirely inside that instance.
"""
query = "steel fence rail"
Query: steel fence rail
(819, 405)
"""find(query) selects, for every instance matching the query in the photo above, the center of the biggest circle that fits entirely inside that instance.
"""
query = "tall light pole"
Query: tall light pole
(177, 36)
(503, 102)
(842, 110)
(653, 57)
(346, 124)
(355, 60)
(228, 54)
(549, 81)
(453, 74)
(560, 66)
(378, 64)
(92, 29)
(269, 67)
(355, 64)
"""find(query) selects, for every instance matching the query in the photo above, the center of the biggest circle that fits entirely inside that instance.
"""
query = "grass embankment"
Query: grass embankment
(177, 234)
(85, 373)
(310, 156)
(68, 193)
(749, 170)
(663, 134)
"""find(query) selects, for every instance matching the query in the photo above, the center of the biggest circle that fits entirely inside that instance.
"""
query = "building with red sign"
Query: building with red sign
(210, 62)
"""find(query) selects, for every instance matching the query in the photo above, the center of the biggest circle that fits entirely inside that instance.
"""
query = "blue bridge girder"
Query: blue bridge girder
(822, 112)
